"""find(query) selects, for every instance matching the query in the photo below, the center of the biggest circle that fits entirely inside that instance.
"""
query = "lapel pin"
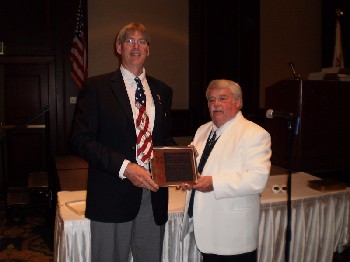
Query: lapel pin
(160, 102)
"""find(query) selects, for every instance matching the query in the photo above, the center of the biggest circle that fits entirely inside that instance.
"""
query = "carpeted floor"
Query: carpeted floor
(27, 238)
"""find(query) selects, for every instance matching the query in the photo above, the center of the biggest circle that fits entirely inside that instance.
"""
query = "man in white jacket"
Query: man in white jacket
(226, 204)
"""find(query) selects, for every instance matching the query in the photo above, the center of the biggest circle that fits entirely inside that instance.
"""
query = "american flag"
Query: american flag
(78, 56)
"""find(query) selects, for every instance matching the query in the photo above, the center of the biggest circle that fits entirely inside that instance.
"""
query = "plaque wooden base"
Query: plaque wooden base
(173, 165)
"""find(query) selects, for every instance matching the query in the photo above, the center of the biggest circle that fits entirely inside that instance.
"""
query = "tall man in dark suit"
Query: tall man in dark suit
(126, 207)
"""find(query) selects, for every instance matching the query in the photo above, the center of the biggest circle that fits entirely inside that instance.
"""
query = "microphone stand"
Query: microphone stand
(289, 191)
(291, 150)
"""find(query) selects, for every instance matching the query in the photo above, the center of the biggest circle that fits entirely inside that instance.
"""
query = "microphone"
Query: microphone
(276, 114)
(296, 76)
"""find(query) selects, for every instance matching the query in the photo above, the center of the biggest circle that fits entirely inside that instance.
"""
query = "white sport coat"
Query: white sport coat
(226, 220)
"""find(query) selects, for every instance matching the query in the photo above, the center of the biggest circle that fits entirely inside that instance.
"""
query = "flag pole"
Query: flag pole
(338, 59)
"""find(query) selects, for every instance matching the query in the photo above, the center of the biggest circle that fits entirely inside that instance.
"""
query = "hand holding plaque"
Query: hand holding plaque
(174, 165)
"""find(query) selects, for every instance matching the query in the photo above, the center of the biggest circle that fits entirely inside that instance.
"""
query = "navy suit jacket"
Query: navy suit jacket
(103, 133)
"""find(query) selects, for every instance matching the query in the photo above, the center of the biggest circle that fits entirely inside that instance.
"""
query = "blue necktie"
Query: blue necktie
(206, 152)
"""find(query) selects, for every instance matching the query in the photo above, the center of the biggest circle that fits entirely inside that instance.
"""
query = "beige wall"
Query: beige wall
(290, 32)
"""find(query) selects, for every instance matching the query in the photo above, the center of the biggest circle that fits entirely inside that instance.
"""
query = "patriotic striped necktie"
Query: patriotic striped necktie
(144, 136)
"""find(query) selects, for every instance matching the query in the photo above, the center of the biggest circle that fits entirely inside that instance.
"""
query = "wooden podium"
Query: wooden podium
(323, 140)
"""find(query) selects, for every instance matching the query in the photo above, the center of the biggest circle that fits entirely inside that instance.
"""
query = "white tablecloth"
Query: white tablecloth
(320, 225)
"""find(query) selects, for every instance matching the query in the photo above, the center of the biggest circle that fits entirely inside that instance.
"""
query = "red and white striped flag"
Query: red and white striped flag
(78, 56)
(338, 59)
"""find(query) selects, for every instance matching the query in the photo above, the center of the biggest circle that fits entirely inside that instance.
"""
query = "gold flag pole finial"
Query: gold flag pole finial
(339, 12)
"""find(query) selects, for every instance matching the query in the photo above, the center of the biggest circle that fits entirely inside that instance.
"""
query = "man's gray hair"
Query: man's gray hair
(226, 84)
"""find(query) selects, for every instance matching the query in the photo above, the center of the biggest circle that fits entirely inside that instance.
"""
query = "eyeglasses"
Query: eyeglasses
(278, 189)
(141, 42)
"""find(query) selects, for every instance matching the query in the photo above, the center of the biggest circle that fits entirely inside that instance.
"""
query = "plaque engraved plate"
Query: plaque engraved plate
(173, 165)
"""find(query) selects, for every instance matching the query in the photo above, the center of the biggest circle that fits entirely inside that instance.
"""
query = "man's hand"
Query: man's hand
(184, 187)
(140, 177)
(204, 184)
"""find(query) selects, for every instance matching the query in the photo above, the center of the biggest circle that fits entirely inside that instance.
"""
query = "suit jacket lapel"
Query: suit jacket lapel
(222, 140)
(157, 99)
(118, 89)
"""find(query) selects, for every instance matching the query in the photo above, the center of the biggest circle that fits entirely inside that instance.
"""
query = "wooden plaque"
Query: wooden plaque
(173, 165)
(324, 185)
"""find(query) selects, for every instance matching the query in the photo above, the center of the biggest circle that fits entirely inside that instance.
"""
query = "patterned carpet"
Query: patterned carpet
(27, 238)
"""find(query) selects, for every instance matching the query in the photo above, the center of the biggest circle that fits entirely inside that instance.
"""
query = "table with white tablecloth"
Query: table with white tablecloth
(320, 225)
